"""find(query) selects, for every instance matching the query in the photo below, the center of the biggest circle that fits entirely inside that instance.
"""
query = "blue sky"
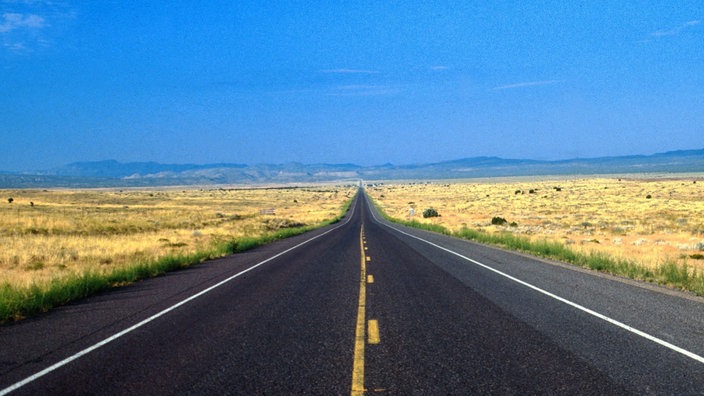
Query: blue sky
(366, 82)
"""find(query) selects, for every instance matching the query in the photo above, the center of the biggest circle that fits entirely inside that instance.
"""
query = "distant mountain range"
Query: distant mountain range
(142, 174)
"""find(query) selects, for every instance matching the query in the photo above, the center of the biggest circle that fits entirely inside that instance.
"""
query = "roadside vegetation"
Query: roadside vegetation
(646, 229)
(62, 245)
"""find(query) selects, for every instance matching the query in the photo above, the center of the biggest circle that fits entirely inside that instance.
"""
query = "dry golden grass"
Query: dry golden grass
(609, 215)
(47, 235)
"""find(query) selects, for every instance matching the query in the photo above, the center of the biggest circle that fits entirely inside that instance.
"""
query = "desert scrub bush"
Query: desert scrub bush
(430, 212)
(496, 220)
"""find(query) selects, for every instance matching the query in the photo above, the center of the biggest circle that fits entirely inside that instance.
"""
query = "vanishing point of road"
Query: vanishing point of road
(365, 306)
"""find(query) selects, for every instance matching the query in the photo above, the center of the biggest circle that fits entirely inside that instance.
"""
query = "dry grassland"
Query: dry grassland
(646, 221)
(47, 235)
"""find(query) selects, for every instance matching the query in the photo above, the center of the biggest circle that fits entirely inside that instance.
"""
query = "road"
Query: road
(365, 306)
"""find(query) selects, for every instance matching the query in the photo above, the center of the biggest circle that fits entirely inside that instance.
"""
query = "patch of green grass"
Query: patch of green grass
(427, 226)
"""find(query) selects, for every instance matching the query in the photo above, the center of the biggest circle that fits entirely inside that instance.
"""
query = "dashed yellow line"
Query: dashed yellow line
(373, 332)
(359, 337)
(361, 332)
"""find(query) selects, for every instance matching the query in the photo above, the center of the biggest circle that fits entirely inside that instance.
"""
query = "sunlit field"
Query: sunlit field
(646, 221)
(48, 235)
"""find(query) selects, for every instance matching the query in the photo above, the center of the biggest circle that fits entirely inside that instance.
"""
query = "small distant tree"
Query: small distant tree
(430, 212)
(10, 200)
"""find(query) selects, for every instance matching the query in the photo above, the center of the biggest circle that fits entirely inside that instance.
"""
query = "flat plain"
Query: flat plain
(648, 220)
(51, 234)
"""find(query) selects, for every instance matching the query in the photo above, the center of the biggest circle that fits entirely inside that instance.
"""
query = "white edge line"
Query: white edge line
(86, 351)
(614, 322)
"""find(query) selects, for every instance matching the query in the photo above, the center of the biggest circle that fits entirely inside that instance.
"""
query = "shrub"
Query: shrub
(430, 212)
(496, 220)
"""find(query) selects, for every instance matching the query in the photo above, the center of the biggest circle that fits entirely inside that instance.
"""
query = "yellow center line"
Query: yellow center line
(359, 337)
(374, 331)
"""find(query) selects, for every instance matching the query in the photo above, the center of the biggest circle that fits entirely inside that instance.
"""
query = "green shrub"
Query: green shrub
(496, 220)
(430, 212)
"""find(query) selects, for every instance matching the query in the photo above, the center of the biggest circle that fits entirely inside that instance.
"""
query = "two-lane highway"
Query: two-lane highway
(365, 306)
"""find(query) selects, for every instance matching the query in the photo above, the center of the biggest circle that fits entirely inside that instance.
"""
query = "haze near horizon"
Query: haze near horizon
(363, 82)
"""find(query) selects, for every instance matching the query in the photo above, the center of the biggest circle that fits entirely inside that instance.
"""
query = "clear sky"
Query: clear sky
(366, 82)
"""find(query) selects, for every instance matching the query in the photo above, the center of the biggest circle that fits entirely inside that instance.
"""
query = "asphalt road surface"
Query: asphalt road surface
(364, 306)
